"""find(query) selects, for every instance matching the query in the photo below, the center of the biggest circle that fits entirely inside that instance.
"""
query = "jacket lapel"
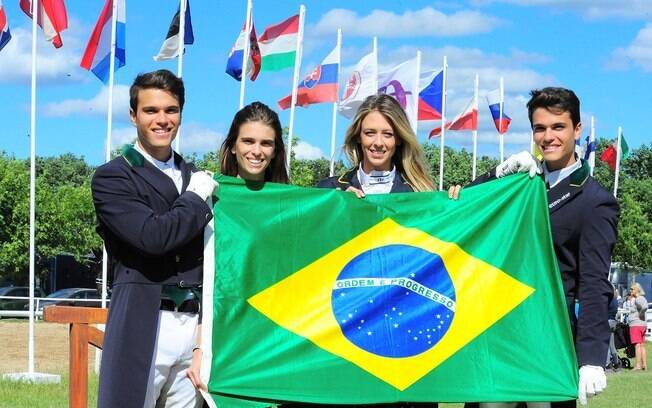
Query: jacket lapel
(568, 188)
(152, 175)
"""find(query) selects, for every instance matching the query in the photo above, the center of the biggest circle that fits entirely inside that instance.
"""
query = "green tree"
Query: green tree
(634, 234)
(14, 218)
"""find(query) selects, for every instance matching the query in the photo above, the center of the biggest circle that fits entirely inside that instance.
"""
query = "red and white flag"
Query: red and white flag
(52, 18)
(467, 120)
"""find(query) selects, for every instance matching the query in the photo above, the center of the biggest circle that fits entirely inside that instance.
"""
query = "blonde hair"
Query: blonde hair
(408, 158)
(638, 288)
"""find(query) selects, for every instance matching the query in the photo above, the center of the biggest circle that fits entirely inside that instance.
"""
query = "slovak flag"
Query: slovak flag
(97, 57)
(430, 99)
(467, 120)
(52, 18)
(497, 106)
(5, 34)
(234, 63)
(319, 86)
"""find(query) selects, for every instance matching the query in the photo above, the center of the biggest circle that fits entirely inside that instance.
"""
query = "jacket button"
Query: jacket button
(182, 284)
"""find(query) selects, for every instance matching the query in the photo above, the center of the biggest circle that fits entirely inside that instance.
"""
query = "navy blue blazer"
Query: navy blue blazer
(583, 221)
(350, 179)
(153, 236)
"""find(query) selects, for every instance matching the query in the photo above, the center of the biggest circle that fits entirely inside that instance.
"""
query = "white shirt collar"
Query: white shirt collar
(376, 182)
(169, 163)
(555, 177)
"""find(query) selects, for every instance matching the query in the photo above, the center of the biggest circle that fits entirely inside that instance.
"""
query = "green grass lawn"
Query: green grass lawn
(627, 389)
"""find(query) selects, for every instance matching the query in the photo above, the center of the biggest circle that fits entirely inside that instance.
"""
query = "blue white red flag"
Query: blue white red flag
(234, 63)
(497, 108)
(5, 34)
(52, 18)
(170, 47)
(431, 98)
(97, 57)
(319, 86)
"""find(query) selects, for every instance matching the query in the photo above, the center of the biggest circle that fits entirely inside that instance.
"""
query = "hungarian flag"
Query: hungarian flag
(398, 303)
(51, 17)
(609, 154)
(278, 45)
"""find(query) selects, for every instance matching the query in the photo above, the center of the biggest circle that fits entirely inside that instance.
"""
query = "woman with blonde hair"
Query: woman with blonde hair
(637, 324)
(384, 151)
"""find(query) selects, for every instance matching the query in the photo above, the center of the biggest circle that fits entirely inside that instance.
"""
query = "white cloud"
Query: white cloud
(639, 52)
(306, 151)
(95, 106)
(591, 9)
(53, 66)
(426, 22)
(194, 138)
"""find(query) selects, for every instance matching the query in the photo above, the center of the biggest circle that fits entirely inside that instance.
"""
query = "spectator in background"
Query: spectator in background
(637, 324)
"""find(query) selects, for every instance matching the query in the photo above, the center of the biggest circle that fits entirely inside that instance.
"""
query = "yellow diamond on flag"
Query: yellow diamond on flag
(395, 301)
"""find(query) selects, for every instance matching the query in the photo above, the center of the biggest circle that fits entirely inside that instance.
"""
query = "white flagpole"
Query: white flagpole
(337, 93)
(592, 140)
(180, 45)
(295, 84)
(375, 51)
(245, 56)
(618, 147)
(32, 193)
(475, 131)
(416, 88)
(443, 126)
(500, 121)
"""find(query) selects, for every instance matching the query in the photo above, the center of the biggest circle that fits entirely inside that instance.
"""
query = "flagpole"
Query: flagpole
(375, 51)
(443, 126)
(245, 56)
(592, 140)
(500, 121)
(180, 45)
(618, 148)
(295, 84)
(337, 93)
(32, 193)
(475, 131)
(415, 108)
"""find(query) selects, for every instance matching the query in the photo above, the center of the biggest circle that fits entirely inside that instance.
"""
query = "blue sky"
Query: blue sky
(600, 48)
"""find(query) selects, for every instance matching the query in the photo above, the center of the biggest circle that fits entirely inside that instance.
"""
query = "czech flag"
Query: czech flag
(52, 18)
(430, 99)
(5, 34)
(496, 106)
(319, 86)
(234, 63)
(97, 57)
(467, 120)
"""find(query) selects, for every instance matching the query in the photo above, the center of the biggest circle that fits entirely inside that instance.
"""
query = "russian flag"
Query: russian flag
(495, 106)
(234, 63)
(5, 34)
(52, 18)
(319, 86)
(430, 99)
(97, 57)
(467, 120)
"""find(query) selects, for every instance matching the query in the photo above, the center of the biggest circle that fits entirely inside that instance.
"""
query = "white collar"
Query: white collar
(169, 163)
(555, 177)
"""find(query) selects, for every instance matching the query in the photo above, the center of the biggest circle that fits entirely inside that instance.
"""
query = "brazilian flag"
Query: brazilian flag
(318, 296)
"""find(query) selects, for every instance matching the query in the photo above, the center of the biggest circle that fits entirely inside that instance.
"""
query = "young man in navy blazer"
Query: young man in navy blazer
(583, 218)
(151, 210)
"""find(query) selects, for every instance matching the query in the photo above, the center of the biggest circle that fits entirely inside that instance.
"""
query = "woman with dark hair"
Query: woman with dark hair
(254, 148)
(384, 151)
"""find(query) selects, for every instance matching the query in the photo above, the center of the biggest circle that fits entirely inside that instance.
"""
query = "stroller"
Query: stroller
(622, 341)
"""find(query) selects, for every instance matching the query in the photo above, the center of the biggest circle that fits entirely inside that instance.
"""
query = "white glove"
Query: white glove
(592, 381)
(522, 162)
(202, 184)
